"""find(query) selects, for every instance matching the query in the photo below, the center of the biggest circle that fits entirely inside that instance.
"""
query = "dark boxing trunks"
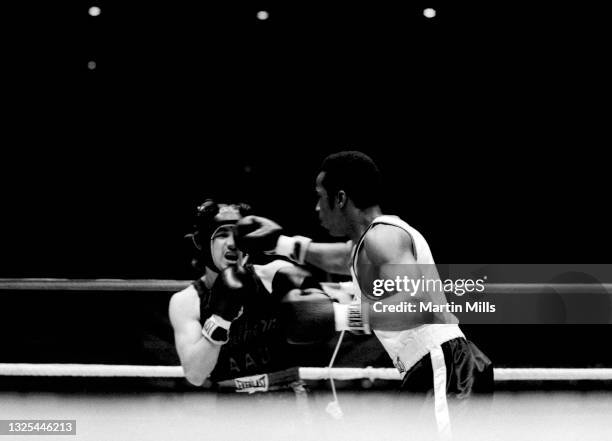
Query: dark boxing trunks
(468, 371)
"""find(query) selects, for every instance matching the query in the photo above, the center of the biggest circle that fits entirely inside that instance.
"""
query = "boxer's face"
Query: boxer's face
(331, 217)
(223, 248)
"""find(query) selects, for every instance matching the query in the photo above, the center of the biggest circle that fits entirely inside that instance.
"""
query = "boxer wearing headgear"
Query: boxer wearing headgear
(228, 323)
(214, 220)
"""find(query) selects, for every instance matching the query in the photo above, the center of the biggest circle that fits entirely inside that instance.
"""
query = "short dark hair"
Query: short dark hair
(356, 174)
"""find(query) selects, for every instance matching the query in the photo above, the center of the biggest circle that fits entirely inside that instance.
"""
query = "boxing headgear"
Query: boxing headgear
(209, 217)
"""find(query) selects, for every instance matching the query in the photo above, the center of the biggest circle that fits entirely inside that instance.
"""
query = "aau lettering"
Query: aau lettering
(249, 361)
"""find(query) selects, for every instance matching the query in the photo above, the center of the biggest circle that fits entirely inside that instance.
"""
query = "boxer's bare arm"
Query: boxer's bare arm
(260, 234)
(330, 257)
(387, 253)
(198, 356)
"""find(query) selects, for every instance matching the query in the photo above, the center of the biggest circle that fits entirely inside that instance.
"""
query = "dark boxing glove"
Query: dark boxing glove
(227, 298)
(292, 277)
(308, 316)
(255, 235)
(311, 316)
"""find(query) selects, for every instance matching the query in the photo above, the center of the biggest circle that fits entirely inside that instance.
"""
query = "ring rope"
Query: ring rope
(150, 285)
(306, 373)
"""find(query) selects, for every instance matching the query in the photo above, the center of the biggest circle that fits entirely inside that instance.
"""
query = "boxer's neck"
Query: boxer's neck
(209, 277)
(360, 220)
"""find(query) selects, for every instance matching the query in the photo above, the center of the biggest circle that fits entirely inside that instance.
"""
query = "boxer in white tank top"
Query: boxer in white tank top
(380, 248)
(407, 346)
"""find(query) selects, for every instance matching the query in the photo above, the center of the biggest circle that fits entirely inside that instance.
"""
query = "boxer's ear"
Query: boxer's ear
(341, 199)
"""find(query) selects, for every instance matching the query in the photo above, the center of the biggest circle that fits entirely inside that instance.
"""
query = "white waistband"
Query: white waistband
(406, 348)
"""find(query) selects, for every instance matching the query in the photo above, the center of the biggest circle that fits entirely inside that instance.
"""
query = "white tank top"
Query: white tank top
(420, 249)
(407, 347)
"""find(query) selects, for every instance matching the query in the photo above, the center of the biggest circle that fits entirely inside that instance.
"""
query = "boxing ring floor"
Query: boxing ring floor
(287, 416)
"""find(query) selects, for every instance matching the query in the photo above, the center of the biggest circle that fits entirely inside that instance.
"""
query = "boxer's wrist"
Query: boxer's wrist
(351, 317)
(295, 248)
(216, 330)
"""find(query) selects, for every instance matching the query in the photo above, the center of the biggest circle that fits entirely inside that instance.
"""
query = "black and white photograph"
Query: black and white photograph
(260, 221)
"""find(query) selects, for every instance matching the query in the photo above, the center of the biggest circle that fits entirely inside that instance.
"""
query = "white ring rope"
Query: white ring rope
(110, 285)
(306, 373)
(157, 285)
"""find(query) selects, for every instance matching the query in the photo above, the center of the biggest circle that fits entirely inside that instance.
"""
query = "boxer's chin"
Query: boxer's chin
(326, 228)
(332, 232)
(223, 264)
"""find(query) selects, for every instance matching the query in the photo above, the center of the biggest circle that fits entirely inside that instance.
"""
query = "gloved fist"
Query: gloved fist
(308, 316)
(227, 297)
(292, 277)
(256, 235)
(229, 292)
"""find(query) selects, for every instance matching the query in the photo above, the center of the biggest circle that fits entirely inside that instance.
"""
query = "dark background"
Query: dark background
(489, 122)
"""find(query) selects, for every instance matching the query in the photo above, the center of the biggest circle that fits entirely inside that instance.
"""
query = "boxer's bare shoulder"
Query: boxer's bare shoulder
(384, 244)
(184, 304)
